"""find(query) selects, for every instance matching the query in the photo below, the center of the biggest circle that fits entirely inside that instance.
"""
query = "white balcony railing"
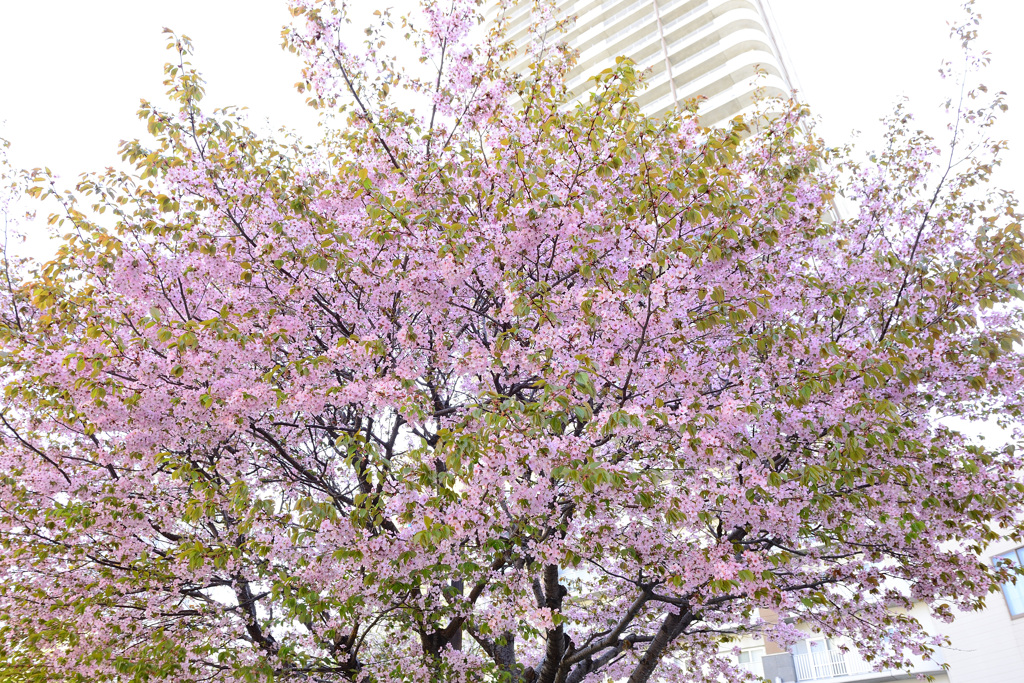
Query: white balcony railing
(828, 664)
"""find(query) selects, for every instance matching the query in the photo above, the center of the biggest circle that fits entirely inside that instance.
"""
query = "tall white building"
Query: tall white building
(694, 48)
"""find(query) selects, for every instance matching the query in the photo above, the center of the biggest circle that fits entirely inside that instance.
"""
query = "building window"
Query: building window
(750, 659)
(1013, 591)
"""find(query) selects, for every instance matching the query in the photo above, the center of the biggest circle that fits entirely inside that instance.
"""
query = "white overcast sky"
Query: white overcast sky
(72, 71)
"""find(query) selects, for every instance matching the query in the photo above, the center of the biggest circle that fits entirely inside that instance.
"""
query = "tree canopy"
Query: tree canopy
(504, 387)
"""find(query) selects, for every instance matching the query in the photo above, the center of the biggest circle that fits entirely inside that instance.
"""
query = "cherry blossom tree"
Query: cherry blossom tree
(490, 385)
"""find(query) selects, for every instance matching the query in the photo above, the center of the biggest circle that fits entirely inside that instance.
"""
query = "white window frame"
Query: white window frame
(1014, 588)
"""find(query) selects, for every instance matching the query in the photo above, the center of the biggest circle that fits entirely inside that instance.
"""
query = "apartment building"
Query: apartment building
(820, 659)
(985, 646)
(719, 50)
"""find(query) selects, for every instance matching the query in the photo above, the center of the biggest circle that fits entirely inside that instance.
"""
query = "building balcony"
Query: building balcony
(832, 665)
(818, 666)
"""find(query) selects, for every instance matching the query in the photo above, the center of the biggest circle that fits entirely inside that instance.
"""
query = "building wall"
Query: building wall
(798, 664)
(987, 646)
(708, 48)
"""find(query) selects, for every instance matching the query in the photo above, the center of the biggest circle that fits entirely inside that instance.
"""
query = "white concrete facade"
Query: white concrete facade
(818, 659)
(987, 646)
(713, 49)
